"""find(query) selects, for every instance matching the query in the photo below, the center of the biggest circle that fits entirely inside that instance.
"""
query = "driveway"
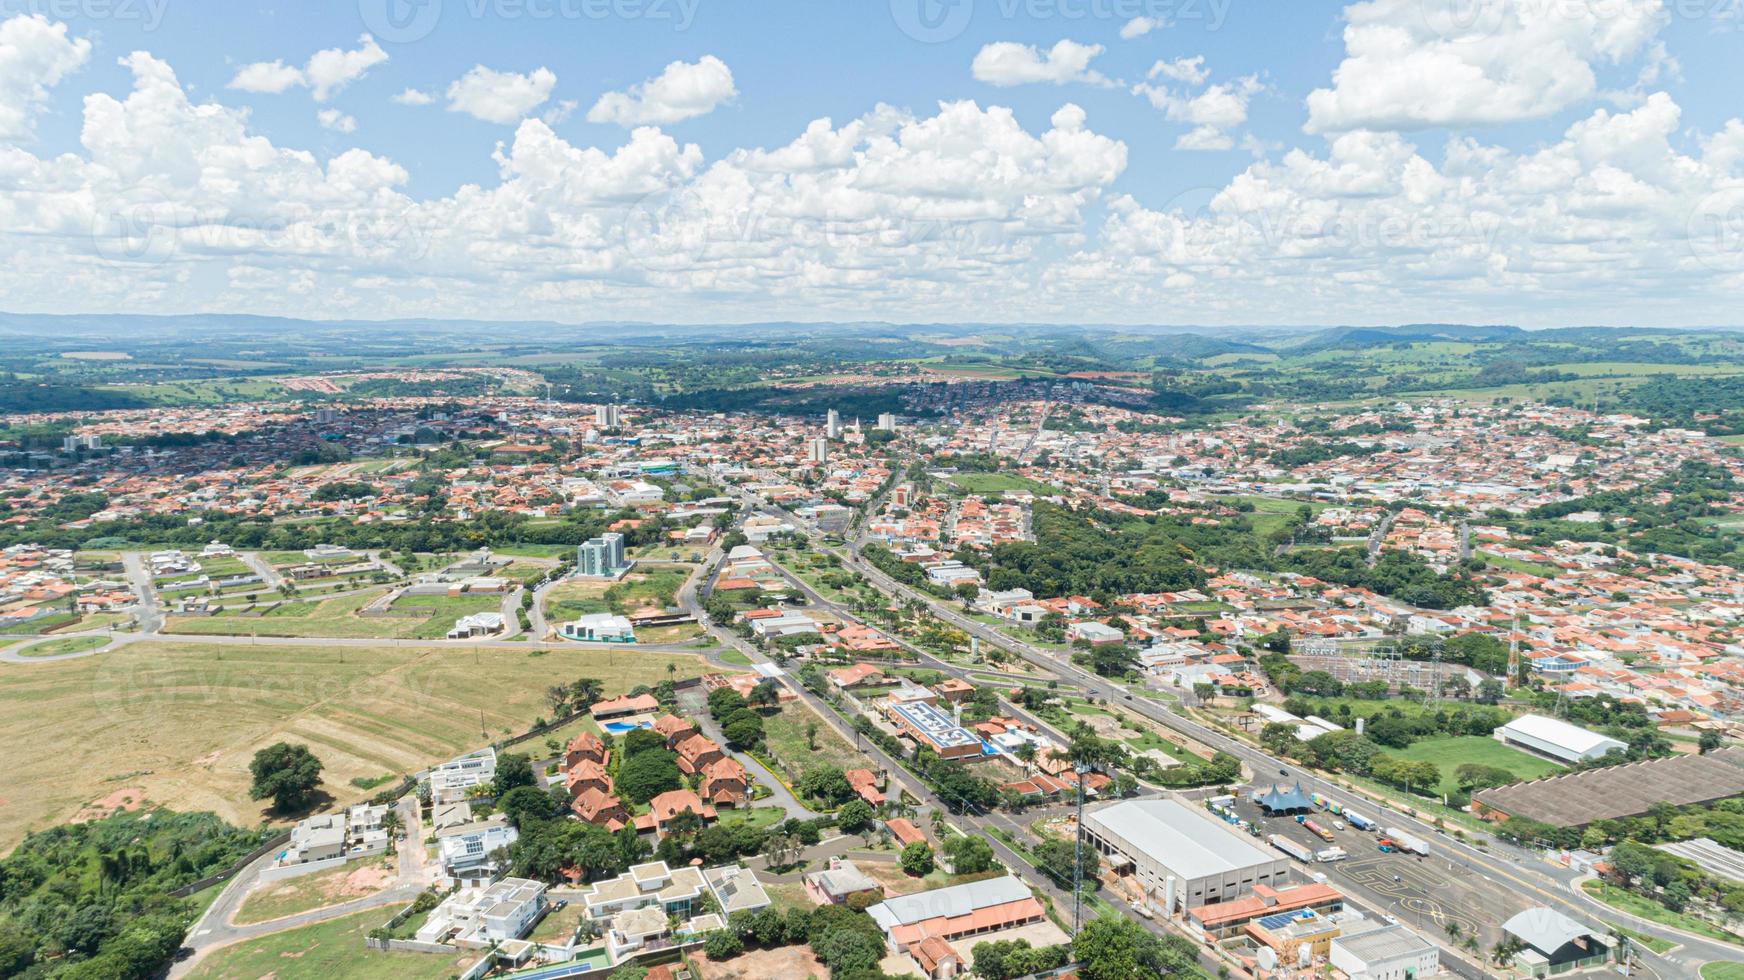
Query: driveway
(695, 705)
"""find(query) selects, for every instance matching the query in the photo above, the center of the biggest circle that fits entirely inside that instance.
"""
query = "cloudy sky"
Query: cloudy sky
(1542, 162)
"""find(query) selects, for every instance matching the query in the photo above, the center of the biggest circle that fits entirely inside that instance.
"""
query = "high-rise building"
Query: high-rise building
(601, 557)
(833, 425)
(607, 416)
(887, 422)
(817, 451)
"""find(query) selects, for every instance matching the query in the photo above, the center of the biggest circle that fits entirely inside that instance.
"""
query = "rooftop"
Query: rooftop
(1175, 834)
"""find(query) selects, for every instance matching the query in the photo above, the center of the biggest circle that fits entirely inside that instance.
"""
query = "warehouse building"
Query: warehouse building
(1557, 739)
(1578, 798)
(1390, 952)
(1179, 856)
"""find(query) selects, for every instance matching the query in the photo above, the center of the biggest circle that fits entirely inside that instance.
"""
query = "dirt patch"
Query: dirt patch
(788, 963)
(130, 798)
(363, 881)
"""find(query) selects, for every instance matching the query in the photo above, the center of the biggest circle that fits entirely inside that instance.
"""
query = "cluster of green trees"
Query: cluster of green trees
(92, 901)
(1318, 451)
(1397, 574)
(1007, 959)
(843, 937)
(1664, 516)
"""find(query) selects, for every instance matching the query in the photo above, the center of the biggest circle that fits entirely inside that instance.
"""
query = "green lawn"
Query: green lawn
(731, 656)
(979, 483)
(759, 817)
(1723, 971)
(784, 738)
(72, 644)
(338, 617)
(330, 949)
(1652, 911)
(1451, 753)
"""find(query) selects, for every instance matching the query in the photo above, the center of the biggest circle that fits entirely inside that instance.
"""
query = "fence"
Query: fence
(283, 872)
(276, 842)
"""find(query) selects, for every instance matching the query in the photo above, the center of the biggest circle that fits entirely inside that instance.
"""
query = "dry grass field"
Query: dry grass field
(177, 725)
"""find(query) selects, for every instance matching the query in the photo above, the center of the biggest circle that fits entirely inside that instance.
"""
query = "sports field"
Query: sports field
(177, 725)
(1451, 753)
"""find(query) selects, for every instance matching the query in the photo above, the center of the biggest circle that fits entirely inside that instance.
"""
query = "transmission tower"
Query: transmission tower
(1078, 856)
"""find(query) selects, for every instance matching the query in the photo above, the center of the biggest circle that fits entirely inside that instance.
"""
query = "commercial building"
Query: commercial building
(1179, 856)
(1557, 739)
(1555, 944)
(1221, 920)
(1389, 952)
(956, 912)
(934, 729)
(599, 628)
(601, 557)
(1614, 792)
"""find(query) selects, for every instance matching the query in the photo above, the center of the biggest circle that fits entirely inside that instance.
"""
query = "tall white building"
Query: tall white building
(833, 425)
(607, 416)
(887, 422)
(817, 451)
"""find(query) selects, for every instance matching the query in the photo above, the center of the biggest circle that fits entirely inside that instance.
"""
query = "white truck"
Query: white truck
(1290, 847)
(1407, 842)
(1328, 854)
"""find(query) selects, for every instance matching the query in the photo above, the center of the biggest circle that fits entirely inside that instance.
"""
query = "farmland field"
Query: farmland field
(177, 725)
(1451, 753)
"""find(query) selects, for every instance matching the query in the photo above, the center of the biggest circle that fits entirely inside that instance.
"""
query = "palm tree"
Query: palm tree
(391, 824)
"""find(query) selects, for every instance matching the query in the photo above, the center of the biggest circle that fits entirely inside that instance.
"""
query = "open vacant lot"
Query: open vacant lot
(319, 952)
(351, 880)
(339, 617)
(1451, 753)
(178, 725)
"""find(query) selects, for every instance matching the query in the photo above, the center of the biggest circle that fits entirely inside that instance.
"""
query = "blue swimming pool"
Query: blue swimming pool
(620, 727)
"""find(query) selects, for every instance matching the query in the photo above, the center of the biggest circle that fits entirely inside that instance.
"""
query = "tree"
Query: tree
(1058, 858)
(1710, 741)
(1116, 948)
(288, 774)
(525, 804)
(722, 944)
(917, 859)
(969, 854)
(854, 816)
(645, 775)
(514, 769)
(743, 728)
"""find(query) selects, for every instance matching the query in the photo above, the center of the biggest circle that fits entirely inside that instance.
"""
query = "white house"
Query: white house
(599, 628)
(465, 851)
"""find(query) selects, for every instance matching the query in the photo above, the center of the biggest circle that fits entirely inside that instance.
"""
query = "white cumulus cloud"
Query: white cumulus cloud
(327, 72)
(682, 91)
(35, 55)
(1412, 65)
(1006, 63)
(500, 97)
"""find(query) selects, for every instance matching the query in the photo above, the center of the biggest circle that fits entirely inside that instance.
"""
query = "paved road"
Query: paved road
(148, 612)
(269, 575)
(217, 928)
(1519, 869)
(695, 705)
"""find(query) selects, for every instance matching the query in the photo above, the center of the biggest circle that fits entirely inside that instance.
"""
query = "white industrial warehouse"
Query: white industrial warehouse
(1181, 856)
(1557, 739)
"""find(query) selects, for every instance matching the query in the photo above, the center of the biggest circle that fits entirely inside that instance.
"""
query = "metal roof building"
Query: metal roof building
(1181, 856)
(1390, 952)
(1557, 738)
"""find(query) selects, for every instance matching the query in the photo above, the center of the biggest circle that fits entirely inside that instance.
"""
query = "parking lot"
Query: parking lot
(1426, 893)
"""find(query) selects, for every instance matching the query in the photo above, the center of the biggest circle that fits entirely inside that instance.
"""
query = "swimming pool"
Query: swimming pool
(620, 727)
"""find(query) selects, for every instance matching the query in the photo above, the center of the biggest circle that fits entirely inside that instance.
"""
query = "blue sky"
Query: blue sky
(1534, 161)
